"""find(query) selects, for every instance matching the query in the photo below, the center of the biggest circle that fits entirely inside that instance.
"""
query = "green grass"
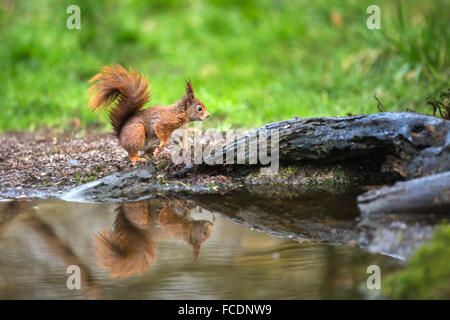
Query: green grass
(251, 62)
(427, 274)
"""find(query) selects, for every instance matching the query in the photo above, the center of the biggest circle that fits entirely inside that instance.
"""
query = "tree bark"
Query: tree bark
(422, 195)
(412, 144)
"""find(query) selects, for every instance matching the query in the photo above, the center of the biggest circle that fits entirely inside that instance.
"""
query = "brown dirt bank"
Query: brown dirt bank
(43, 163)
(51, 162)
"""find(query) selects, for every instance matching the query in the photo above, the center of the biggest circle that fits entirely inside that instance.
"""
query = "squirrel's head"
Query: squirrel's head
(199, 232)
(195, 109)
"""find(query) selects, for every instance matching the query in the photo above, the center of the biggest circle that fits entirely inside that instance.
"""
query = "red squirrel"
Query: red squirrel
(140, 129)
(130, 246)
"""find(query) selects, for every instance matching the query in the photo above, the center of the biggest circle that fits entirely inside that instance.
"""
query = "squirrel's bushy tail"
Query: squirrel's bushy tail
(125, 249)
(128, 91)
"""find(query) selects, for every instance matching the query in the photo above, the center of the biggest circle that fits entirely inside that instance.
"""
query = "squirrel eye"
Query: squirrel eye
(199, 108)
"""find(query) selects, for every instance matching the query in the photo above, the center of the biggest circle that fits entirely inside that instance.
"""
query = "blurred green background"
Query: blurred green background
(251, 62)
(427, 274)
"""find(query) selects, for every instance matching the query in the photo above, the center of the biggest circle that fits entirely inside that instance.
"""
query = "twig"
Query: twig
(380, 106)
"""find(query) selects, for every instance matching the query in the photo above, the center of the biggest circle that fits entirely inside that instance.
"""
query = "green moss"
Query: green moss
(78, 178)
(211, 185)
(160, 165)
(427, 274)
(90, 178)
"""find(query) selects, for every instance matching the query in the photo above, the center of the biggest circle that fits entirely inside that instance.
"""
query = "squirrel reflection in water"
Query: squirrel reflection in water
(130, 245)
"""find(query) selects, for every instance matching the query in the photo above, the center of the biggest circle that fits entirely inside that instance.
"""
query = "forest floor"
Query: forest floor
(53, 162)
(48, 162)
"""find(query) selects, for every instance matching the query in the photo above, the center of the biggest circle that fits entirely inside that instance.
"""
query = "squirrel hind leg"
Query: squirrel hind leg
(133, 159)
(132, 139)
(150, 146)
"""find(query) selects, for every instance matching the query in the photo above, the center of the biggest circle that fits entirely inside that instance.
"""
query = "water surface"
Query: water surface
(168, 249)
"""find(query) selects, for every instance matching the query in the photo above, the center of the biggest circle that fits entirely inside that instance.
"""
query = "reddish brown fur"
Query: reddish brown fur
(130, 247)
(136, 128)
(128, 88)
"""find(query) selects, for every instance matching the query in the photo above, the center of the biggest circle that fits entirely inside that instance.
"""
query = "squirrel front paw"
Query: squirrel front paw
(136, 158)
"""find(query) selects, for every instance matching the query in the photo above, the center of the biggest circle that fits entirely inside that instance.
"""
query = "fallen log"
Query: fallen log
(412, 144)
(326, 220)
(421, 195)
(335, 155)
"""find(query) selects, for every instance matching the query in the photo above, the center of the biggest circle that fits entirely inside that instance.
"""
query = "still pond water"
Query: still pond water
(167, 249)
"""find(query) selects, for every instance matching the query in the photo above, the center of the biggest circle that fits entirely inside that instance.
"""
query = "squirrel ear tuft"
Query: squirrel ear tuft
(189, 89)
